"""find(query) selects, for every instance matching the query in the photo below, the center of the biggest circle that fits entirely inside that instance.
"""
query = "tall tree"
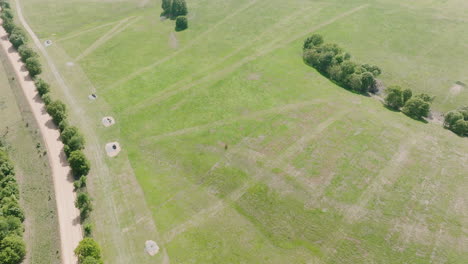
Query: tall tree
(179, 8)
(166, 6)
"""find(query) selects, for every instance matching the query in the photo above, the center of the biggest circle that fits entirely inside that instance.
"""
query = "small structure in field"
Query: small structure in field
(113, 149)
(151, 247)
(108, 121)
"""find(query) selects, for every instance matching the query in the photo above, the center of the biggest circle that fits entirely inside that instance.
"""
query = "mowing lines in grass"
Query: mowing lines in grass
(258, 176)
(90, 30)
(223, 72)
(189, 45)
(106, 37)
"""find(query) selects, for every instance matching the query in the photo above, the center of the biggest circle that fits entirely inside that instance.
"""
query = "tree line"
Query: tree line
(334, 63)
(12, 247)
(72, 138)
(176, 9)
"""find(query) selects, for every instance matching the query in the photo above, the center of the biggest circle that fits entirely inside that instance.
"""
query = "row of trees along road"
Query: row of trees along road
(88, 251)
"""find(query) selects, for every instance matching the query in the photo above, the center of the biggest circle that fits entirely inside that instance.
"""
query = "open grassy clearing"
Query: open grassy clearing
(18, 129)
(312, 172)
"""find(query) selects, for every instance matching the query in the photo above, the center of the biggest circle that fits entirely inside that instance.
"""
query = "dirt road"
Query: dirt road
(68, 215)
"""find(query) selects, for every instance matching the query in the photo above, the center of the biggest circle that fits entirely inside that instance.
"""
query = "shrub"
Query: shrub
(313, 41)
(78, 163)
(12, 250)
(181, 23)
(83, 202)
(394, 97)
(166, 6)
(33, 66)
(457, 121)
(9, 25)
(26, 52)
(6, 13)
(179, 8)
(416, 108)
(17, 37)
(57, 110)
(88, 248)
(42, 87)
(46, 98)
(80, 183)
(88, 229)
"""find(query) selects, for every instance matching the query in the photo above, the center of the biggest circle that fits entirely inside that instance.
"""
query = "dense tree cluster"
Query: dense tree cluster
(12, 248)
(457, 121)
(417, 107)
(336, 64)
(11, 251)
(176, 9)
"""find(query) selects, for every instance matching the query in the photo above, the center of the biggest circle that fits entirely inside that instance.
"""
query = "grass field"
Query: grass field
(311, 173)
(19, 131)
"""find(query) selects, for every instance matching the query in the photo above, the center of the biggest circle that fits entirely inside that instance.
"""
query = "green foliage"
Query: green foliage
(46, 98)
(9, 25)
(42, 87)
(88, 229)
(73, 138)
(83, 202)
(7, 14)
(26, 52)
(17, 37)
(4, 4)
(416, 108)
(394, 98)
(179, 8)
(313, 41)
(425, 97)
(457, 121)
(10, 225)
(407, 94)
(78, 163)
(80, 183)
(12, 250)
(181, 23)
(57, 110)
(62, 125)
(88, 248)
(33, 66)
(166, 6)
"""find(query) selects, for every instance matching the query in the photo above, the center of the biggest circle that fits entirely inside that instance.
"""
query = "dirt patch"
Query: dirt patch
(254, 76)
(456, 89)
(112, 149)
(48, 43)
(173, 42)
(108, 121)
(151, 247)
(436, 117)
(70, 64)
(92, 97)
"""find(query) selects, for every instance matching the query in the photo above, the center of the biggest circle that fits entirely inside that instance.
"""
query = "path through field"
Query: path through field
(68, 215)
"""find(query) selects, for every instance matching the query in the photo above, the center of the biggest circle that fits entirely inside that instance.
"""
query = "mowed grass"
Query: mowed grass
(19, 132)
(246, 155)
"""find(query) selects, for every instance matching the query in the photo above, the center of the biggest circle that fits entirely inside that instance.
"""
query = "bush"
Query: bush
(88, 229)
(46, 98)
(181, 23)
(78, 163)
(313, 41)
(179, 8)
(17, 37)
(42, 87)
(7, 14)
(166, 6)
(416, 108)
(80, 183)
(83, 202)
(57, 110)
(33, 66)
(457, 121)
(26, 52)
(12, 250)
(9, 25)
(88, 248)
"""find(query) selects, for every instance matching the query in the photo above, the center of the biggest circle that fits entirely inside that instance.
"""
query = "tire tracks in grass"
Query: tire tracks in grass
(106, 37)
(279, 44)
(189, 45)
(90, 30)
(190, 78)
(222, 122)
(101, 171)
(259, 175)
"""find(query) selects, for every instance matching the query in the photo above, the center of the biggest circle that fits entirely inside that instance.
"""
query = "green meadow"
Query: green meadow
(235, 151)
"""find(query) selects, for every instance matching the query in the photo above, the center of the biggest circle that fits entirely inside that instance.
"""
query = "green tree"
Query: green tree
(416, 108)
(407, 94)
(26, 52)
(78, 163)
(355, 82)
(426, 97)
(394, 98)
(6, 13)
(368, 82)
(179, 8)
(181, 23)
(17, 37)
(46, 98)
(460, 127)
(451, 118)
(57, 110)
(42, 87)
(88, 248)
(33, 66)
(313, 41)
(83, 202)
(166, 6)
(9, 25)
(12, 250)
